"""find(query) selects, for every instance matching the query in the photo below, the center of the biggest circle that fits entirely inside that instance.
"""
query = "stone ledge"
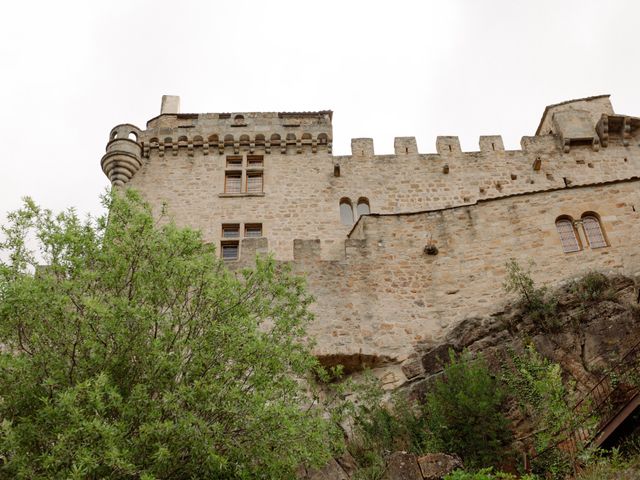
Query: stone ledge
(235, 195)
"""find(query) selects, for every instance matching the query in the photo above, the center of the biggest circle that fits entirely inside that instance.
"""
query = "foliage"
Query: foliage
(593, 286)
(135, 354)
(463, 412)
(379, 428)
(486, 474)
(536, 384)
(611, 466)
(537, 302)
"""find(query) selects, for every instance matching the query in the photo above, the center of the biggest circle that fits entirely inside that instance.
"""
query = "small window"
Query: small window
(255, 161)
(231, 230)
(593, 231)
(234, 162)
(253, 230)
(346, 212)
(363, 207)
(568, 236)
(233, 182)
(230, 250)
(254, 182)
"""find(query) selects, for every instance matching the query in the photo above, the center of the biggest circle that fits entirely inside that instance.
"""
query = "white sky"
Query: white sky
(70, 71)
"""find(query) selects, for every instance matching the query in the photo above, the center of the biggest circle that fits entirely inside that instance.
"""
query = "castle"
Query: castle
(396, 248)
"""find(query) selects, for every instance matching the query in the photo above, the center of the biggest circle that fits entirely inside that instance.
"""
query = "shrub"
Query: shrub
(379, 429)
(537, 302)
(463, 413)
(611, 466)
(486, 474)
(536, 385)
(593, 286)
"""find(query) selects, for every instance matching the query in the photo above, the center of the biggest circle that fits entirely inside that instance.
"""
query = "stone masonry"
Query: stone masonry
(397, 249)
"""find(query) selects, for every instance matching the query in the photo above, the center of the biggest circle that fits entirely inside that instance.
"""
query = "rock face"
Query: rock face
(402, 466)
(434, 466)
(331, 471)
(590, 335)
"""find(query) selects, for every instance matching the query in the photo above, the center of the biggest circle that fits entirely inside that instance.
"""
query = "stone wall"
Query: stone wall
(386, 295)
(184, 156)
(378, 293)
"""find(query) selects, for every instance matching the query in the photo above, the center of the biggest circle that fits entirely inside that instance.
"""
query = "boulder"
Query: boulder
(348, 464)
(434, 466)
(402, 466)
(331, 471)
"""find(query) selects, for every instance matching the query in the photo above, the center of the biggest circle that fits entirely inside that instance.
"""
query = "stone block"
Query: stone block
(434, 360)
(434, 466)
(402, 466)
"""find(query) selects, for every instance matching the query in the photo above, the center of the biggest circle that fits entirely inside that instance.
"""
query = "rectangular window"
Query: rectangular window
(231, 230)
(234, 162)
(255, 161)
(254, 182)
(233, 182)
(230, 250)
(253, 230)
(244, 177)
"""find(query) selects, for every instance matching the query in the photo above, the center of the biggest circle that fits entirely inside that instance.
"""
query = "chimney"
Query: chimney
(170, 104)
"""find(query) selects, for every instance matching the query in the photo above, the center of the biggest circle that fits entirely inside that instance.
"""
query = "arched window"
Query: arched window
(133, 136)
(593, 231)
(568, 236)
(346, 212)
(363, 207)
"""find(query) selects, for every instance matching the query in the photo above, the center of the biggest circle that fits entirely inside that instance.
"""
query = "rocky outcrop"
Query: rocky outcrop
(589, 336)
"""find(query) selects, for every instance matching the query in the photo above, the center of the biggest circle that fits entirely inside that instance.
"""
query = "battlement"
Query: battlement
(396, 247)
(281, 132)
(277, 169)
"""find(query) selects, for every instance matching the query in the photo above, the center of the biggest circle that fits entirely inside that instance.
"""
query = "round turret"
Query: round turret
(124, 154)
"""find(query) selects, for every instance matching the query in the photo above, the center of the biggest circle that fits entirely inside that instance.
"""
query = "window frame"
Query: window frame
(248, 226)
(241, 230)
(603, 241)
(226, 244)
(232, 174)
(348, 207)
(566, 247)
(245, 167)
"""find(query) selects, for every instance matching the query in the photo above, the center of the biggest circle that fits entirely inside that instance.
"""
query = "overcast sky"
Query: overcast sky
(73, 70)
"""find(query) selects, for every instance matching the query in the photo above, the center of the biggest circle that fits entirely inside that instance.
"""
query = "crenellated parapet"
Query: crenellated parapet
(214, 143)
(577, 128)
(233, 133)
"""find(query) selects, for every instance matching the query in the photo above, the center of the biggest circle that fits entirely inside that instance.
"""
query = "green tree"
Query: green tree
(537, 302)
(463, 411)
(136, 354)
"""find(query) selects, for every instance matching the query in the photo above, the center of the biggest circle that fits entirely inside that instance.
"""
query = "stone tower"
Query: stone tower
(397, 248)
